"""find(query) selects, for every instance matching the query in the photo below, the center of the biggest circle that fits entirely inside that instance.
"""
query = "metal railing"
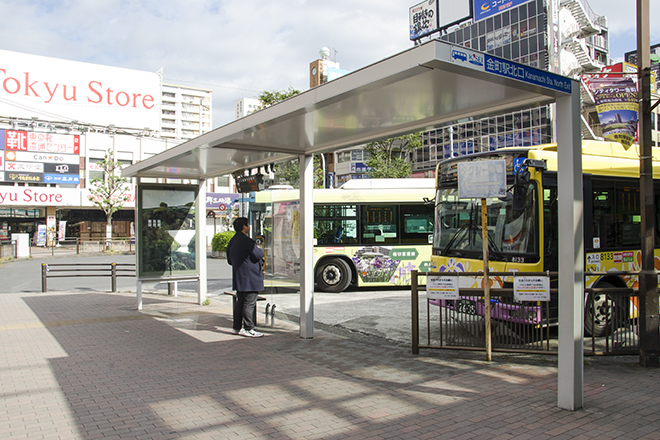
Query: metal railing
(78, 246)
(64, 270)
(611, 318)
(516, 326)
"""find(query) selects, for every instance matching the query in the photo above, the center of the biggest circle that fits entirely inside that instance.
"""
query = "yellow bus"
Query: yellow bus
(368, 232)
(525, 237)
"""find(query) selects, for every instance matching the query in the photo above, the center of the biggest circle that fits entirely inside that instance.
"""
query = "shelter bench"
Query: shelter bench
(234, 300)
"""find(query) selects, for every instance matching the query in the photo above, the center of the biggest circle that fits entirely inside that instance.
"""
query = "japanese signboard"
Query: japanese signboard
(423, 19)
(487, 8)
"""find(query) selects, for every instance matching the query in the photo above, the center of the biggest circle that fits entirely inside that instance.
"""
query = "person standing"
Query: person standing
(245, 259)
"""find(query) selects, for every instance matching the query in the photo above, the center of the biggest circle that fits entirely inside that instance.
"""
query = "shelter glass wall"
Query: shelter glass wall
(166, 229)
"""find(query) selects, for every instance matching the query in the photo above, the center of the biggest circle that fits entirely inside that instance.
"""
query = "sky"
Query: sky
(238, 48)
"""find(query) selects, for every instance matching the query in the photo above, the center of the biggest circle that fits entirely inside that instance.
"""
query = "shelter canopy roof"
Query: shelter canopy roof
(421, 88)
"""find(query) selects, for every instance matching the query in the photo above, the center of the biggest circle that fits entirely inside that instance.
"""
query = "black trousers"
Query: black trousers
(244, 309)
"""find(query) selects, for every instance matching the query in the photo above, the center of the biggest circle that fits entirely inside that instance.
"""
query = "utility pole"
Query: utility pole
(649, 335)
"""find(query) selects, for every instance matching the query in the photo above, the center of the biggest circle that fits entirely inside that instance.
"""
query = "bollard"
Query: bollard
(44, 274)
(114, 276)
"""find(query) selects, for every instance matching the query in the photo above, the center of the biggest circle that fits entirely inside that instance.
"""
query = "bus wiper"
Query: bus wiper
(453, 239)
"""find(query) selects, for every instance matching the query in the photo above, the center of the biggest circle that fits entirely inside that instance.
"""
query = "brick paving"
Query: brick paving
(87, 365)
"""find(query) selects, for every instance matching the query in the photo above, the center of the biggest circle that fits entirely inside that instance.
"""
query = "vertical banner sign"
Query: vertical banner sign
(61, 232)
(41, 235)
(617, 105)
(423, 19)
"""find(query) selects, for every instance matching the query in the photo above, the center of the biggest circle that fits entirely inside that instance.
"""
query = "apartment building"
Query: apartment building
(185, 111)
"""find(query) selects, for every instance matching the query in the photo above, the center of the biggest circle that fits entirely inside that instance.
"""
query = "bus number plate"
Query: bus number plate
(466, 306)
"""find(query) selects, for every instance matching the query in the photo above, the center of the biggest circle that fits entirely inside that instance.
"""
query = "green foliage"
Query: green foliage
(268, 98)
(389, 158)
(288, 172)
(221, 240)
(206, 302)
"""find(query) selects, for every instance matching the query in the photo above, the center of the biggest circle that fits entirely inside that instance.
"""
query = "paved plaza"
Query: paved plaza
(88, 365)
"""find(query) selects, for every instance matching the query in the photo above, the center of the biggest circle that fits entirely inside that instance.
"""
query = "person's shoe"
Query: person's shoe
(252, 333)
(240, 332)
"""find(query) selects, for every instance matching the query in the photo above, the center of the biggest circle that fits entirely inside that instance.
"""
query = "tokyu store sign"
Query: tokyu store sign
(38, 196)
(60, 90)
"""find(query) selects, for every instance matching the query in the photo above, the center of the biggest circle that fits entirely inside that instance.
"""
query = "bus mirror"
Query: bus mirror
(520, 189)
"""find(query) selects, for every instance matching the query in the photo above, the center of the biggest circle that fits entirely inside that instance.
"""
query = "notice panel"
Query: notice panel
(439, 287)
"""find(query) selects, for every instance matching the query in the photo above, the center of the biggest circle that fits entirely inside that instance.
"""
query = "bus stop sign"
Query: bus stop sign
(481, 179)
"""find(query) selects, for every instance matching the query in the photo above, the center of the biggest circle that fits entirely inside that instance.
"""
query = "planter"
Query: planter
(219, 254)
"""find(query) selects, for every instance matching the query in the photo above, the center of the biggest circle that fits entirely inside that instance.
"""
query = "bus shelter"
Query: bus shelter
(424, 87)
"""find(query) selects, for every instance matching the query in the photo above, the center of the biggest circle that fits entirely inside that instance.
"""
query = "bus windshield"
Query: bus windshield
(510, 232)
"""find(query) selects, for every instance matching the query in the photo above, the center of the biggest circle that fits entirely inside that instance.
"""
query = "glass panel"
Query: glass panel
(335, 224)
(604, 226)
(167, 228)
(458, 228)
(379, 224)
(629, 215)
(417, 224)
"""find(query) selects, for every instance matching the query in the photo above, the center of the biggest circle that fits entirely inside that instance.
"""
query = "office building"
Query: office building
(561, 36)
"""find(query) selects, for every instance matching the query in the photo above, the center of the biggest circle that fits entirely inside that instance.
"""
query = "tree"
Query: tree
(110, 192)
(269, 98)
(389, 158)
(289, 172)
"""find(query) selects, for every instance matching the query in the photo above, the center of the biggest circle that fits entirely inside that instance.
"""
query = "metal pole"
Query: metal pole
(484, 239)
(649, 337)
(113, 269)
(414, 307)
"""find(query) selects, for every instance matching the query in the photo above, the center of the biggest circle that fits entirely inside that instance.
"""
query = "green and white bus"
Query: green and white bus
(370, 232)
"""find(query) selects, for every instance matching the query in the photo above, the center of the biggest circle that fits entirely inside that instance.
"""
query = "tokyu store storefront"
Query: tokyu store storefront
(58, 120)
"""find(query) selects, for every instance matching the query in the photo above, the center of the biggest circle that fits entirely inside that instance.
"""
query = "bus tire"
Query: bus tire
(333, 275)
(598, 321)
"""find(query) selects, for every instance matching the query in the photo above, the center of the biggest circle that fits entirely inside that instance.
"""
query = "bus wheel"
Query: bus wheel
(599, 312)
(333, 275)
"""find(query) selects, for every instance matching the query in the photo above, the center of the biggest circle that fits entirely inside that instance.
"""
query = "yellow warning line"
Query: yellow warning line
(47, 324)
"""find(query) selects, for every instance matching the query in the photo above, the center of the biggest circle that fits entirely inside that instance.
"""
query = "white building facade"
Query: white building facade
(185, 111)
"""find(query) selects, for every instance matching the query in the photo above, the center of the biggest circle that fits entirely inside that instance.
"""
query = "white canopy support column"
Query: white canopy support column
(570, 393)
(200, 219)
(306, 246)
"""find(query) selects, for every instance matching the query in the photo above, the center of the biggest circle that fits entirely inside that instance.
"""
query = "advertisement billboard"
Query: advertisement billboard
(53, 89)
(484, 9)
(32, 157)
(423, 19)
(453, 12)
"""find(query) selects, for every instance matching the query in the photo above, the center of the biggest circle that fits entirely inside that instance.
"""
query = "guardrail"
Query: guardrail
(78, 246)
(73, 270)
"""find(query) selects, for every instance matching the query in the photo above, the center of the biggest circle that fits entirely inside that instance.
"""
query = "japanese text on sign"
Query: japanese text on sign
(439, 287)
(531, 288)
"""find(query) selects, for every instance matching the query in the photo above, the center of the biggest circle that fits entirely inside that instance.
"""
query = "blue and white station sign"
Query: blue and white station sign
(509, 69)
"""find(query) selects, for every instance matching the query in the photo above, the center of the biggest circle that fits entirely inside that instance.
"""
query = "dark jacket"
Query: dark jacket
(245, 258)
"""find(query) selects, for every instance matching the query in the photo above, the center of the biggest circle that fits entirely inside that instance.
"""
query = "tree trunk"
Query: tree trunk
(108, 232)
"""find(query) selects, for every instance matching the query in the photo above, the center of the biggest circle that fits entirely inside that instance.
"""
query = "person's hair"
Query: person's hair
(239, 223)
